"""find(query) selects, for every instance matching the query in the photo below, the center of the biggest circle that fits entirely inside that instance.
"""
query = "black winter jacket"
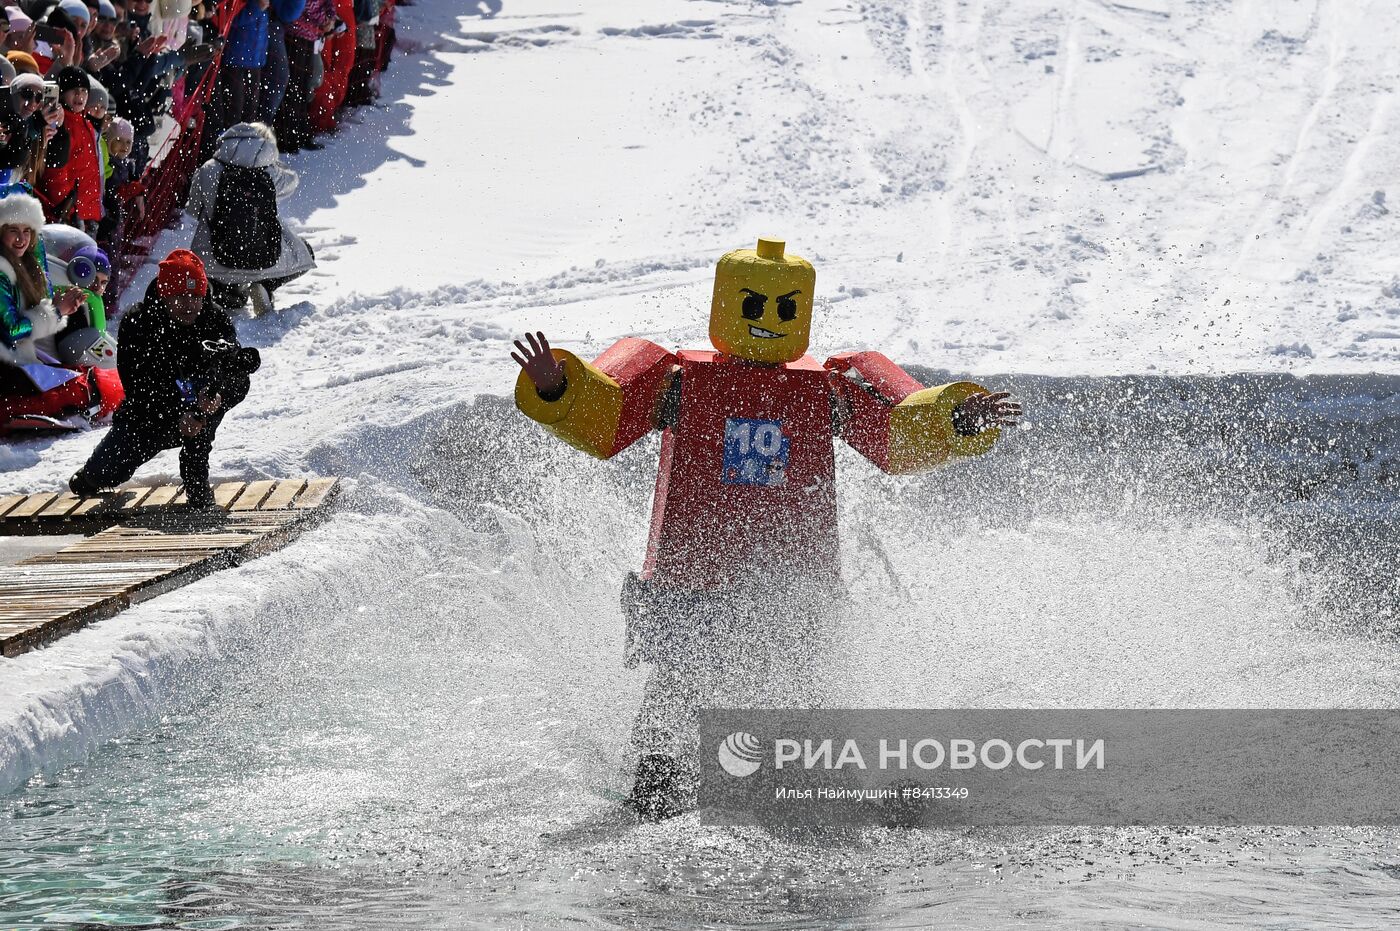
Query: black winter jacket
(156, 354)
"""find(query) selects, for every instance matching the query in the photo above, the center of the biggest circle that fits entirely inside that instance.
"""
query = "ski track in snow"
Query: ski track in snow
(577, 167)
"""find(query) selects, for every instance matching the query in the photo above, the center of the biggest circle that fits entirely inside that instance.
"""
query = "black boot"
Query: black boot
(82, 486)
(194, 472)
(661, 790)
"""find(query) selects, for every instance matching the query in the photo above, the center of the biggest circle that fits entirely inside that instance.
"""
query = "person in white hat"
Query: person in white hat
(22, 124)
(27, 310)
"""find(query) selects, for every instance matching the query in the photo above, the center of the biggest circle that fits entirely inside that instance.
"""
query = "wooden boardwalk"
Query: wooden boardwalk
(140, 543)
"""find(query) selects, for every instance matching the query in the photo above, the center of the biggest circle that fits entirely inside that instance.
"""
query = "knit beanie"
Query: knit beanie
(181, 272)
(21, 82)
(76, 10)
(98, 96)
(121, 129)
(24, 63)
(71, 79)
(7, 71)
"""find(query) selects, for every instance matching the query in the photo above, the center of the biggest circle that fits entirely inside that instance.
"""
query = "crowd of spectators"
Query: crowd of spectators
(95, 97)
(92, 85)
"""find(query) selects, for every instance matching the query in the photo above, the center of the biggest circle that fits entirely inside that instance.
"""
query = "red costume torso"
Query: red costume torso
(746, 487)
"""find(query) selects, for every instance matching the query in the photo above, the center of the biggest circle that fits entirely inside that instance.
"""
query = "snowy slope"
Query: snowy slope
(1067, 188)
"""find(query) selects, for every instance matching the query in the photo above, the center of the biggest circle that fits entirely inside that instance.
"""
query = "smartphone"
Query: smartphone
(50, 34)
(51, 93)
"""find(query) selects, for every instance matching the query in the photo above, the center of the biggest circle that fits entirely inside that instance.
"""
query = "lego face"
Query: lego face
(762, 306)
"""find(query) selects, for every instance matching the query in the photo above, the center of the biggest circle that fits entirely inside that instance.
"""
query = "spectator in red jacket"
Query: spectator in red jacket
(338, 58)
(73, 193)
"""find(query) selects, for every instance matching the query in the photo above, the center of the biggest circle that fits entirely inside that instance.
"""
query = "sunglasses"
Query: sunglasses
(31, 96)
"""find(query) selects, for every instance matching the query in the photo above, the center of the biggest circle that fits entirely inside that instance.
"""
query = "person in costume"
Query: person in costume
(742, 562)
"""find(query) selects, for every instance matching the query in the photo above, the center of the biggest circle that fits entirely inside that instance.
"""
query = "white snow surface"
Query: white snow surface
(1088, 187)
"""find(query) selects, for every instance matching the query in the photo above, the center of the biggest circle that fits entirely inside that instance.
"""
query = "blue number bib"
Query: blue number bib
(755, 452)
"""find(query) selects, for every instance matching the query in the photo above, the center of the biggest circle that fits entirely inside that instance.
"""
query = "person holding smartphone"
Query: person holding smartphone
(73, 191)
(21, 123)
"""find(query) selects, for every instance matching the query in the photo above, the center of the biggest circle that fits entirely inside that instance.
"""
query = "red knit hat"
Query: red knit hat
(181, 273)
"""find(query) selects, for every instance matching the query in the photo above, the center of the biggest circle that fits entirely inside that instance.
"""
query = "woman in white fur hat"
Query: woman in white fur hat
(28, 311)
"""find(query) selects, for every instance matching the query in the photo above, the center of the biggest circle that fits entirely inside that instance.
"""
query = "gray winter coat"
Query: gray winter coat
(243, 145)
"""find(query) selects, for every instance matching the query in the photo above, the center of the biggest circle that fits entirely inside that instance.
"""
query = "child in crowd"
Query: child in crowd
(73, 191)
(123, 196)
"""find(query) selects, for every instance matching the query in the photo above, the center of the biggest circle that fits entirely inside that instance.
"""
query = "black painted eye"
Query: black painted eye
(787, 308)
(753, 306)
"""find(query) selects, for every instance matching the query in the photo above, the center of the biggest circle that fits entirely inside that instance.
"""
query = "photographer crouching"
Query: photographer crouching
(182, 368)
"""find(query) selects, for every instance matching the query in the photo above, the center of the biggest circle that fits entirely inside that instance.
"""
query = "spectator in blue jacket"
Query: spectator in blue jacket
(276, 72)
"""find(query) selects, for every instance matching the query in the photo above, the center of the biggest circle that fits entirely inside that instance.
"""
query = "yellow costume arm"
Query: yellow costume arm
(921, 432)
(606, 405)
(895, 422)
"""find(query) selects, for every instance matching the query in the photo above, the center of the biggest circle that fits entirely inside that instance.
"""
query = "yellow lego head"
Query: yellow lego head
(762, 308)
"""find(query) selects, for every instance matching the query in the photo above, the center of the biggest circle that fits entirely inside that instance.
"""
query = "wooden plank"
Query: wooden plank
(88, 506)
(147, 550)
(136, 496)
(62, 506)
(8, 502)
(283, 494)
(32, 505)
(120, 503)
(225, 493)
(161, 496)
(252, 496)
(316, 493)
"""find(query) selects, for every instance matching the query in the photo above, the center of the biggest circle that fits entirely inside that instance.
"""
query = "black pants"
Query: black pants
(293, 119)
(131, 443)
(236, 98)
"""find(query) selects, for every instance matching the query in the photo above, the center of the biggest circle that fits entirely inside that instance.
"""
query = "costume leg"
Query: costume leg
(717, 650)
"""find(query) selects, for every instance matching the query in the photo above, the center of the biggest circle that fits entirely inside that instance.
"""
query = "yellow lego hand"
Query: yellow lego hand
(979, 411)
(539, 363)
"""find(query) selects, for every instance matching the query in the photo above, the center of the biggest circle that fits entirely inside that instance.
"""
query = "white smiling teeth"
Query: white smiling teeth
(761, 333)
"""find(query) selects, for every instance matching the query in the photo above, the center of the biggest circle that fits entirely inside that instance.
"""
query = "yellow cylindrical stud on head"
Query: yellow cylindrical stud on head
(762, 305)
(771, 249)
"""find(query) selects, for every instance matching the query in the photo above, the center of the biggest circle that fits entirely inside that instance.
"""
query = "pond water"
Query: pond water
(436, 736)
